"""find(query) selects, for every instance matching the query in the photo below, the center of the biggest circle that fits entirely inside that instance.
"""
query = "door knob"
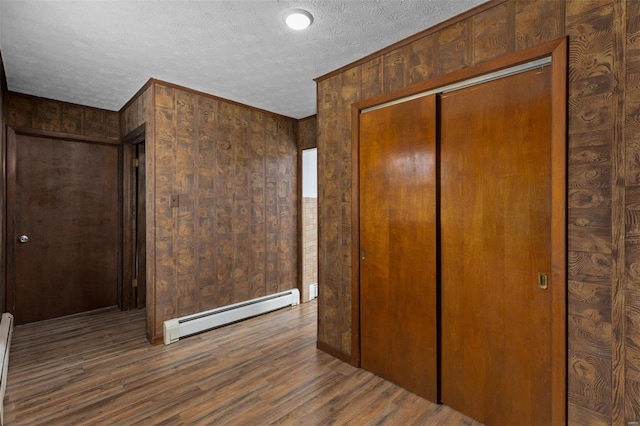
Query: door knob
(23, 239)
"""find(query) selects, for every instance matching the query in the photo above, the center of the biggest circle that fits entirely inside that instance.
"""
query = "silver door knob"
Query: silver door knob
(23, 239)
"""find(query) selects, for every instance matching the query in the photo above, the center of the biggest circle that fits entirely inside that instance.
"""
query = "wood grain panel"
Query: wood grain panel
(423, 58)
(395, 69)
(538, 22)
(307, 133)
(398, 233)
(371, 78)
(45, 114)
(590, 383)
(455, 47)
(493, 29)
(233, 235)
(580, 415)
(591, 301)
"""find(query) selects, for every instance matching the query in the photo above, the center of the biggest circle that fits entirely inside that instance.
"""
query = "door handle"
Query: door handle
(543, 280)
(23, 239)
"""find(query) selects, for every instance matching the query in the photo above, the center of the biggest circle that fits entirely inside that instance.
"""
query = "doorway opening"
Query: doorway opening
(309, 224)
(133, 294)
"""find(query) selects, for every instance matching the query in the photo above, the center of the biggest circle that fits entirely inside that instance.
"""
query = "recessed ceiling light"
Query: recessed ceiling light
(298, 19)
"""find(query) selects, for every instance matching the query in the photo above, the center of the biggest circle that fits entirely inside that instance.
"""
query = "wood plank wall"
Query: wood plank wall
(603, 181)
(307, 134)
(36, 113)
(234, 169)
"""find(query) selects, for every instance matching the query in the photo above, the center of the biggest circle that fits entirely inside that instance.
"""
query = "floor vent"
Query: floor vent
(191, 324)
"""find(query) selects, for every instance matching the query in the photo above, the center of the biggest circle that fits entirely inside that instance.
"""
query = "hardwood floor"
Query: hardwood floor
(97, 368)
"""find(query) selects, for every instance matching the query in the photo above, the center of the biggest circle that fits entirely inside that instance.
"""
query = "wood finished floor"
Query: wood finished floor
(97, 368)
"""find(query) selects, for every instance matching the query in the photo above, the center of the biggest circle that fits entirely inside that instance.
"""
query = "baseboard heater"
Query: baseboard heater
(176, 328)
(6, 330)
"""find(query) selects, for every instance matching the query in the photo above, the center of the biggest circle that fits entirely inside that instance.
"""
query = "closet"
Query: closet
(461, 241)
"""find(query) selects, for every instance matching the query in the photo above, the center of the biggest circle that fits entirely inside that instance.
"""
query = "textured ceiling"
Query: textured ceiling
(99, 53)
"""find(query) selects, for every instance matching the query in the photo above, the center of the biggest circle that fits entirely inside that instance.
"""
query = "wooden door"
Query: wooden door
(63, 196)
(495, 240)
(398, 244)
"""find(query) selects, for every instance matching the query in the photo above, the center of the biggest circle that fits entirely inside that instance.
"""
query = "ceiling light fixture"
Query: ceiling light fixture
(298, 19)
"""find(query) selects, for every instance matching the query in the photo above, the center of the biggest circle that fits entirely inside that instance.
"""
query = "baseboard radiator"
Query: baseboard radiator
(313, 291)
(177, 328)
(6, 330)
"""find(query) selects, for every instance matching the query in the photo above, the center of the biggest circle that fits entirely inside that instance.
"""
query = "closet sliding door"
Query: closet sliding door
(398, 244)
(495, 142)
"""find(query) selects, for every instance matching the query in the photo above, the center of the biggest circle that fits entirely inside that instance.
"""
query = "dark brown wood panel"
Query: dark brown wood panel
(46, 114)
(398, 281)
(307, 133)
(233, 171)
(64, 198)
(496, 238)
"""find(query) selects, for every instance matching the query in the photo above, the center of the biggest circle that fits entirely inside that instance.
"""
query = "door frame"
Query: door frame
(557, 51)
(128, 180)
(9, 223)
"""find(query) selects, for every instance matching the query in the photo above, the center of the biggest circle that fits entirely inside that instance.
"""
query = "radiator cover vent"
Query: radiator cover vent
(177, 328)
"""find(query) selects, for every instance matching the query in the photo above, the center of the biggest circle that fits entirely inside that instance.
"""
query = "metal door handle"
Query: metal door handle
(23, 239)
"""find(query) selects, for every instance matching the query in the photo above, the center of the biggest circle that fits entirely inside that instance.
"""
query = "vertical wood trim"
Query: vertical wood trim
(150, 182)
(618, 303)
(126, 195)
(355, 235)
(299, 203)
(10, 290)
(559, 234)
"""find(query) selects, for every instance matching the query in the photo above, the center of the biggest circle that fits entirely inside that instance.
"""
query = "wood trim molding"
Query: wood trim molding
(135, 136)
(61, 135)
(334, 353)
(150, 181)
(136, 95)
(355, 235)
(299, 222)
(559, 64)
(404, 42)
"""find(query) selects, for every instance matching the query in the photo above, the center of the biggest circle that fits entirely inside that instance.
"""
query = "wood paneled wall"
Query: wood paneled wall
(234, 170)
(307, 133)
(603, 181)
(45, 114)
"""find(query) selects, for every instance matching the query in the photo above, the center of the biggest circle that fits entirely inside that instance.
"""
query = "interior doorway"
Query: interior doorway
(309, 224)
(134, 250)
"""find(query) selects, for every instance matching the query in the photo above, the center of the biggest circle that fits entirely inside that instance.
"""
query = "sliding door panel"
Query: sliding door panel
(495, 249)
(398, 244)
